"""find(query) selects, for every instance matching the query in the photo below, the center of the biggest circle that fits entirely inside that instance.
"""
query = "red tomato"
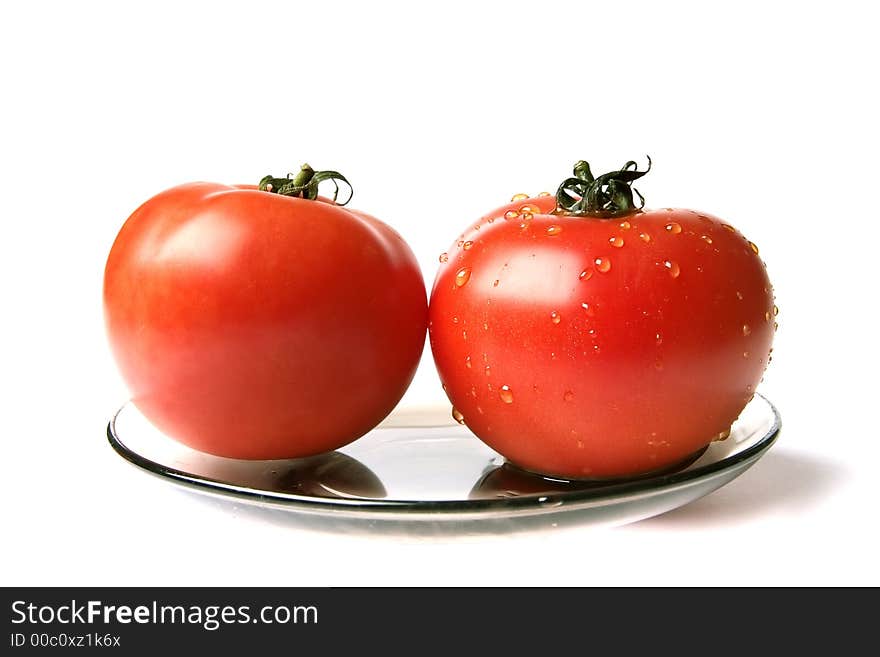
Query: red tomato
(600, 346)
(254, 325)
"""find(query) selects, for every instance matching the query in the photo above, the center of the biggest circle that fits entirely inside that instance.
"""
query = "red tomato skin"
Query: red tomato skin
(258, 326)
(610, 371)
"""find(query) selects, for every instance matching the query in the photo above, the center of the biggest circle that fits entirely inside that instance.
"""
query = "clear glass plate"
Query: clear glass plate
(419, 465)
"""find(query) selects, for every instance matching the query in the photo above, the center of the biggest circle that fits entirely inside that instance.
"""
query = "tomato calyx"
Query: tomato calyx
(304, 184)
(608, 195)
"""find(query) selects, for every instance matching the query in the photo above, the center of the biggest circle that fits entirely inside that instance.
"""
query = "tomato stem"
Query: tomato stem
(305, 184)
(608, 195)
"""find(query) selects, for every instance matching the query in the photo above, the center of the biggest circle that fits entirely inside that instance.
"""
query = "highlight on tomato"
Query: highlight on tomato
(263, 321)
(583, 336)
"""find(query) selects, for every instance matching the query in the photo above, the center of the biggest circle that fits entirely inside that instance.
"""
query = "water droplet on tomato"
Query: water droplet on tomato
(644, 237)
(673, 228)
(588, 309)
(488, 371)
(775, 326)
(658, 338)
(672, 267)
(462, 276)
(728, 227)
(491, 220)
(459, 243)
(444, 257)
(585, 275)
(775, 310)
(603, 265)
(518, 197)
(555, 318)
(616, 242)
(529, 209)
(554, 230)
(746, 354)
(724, 435)
(625, 225)
(706, 239)
(457, 415)
(753, 247)
(511, 214)
(455, 319)
(670, 209)
(568, 396)
(467, 362)
(544, 194)
(746, 329)
(506, 394)
(495, 283)
(467, 245)
(767, 317)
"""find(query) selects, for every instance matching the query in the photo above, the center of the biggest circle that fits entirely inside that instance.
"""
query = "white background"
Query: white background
(762, 113)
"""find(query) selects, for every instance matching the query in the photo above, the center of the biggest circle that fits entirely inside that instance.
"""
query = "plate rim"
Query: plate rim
(530, 503)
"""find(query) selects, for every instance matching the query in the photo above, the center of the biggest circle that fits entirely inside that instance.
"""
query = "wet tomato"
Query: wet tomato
(263, 325)
(582, 337)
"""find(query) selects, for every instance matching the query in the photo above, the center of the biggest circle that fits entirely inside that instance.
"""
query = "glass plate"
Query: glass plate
(419, 465)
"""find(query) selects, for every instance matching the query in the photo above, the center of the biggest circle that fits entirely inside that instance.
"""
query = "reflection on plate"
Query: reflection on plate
(418, 466)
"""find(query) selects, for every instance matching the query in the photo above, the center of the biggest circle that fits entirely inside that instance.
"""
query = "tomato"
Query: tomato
(582, 337)
(256, 325)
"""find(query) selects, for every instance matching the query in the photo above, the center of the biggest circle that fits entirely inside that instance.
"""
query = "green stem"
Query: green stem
(608, 195)
(305, 184)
